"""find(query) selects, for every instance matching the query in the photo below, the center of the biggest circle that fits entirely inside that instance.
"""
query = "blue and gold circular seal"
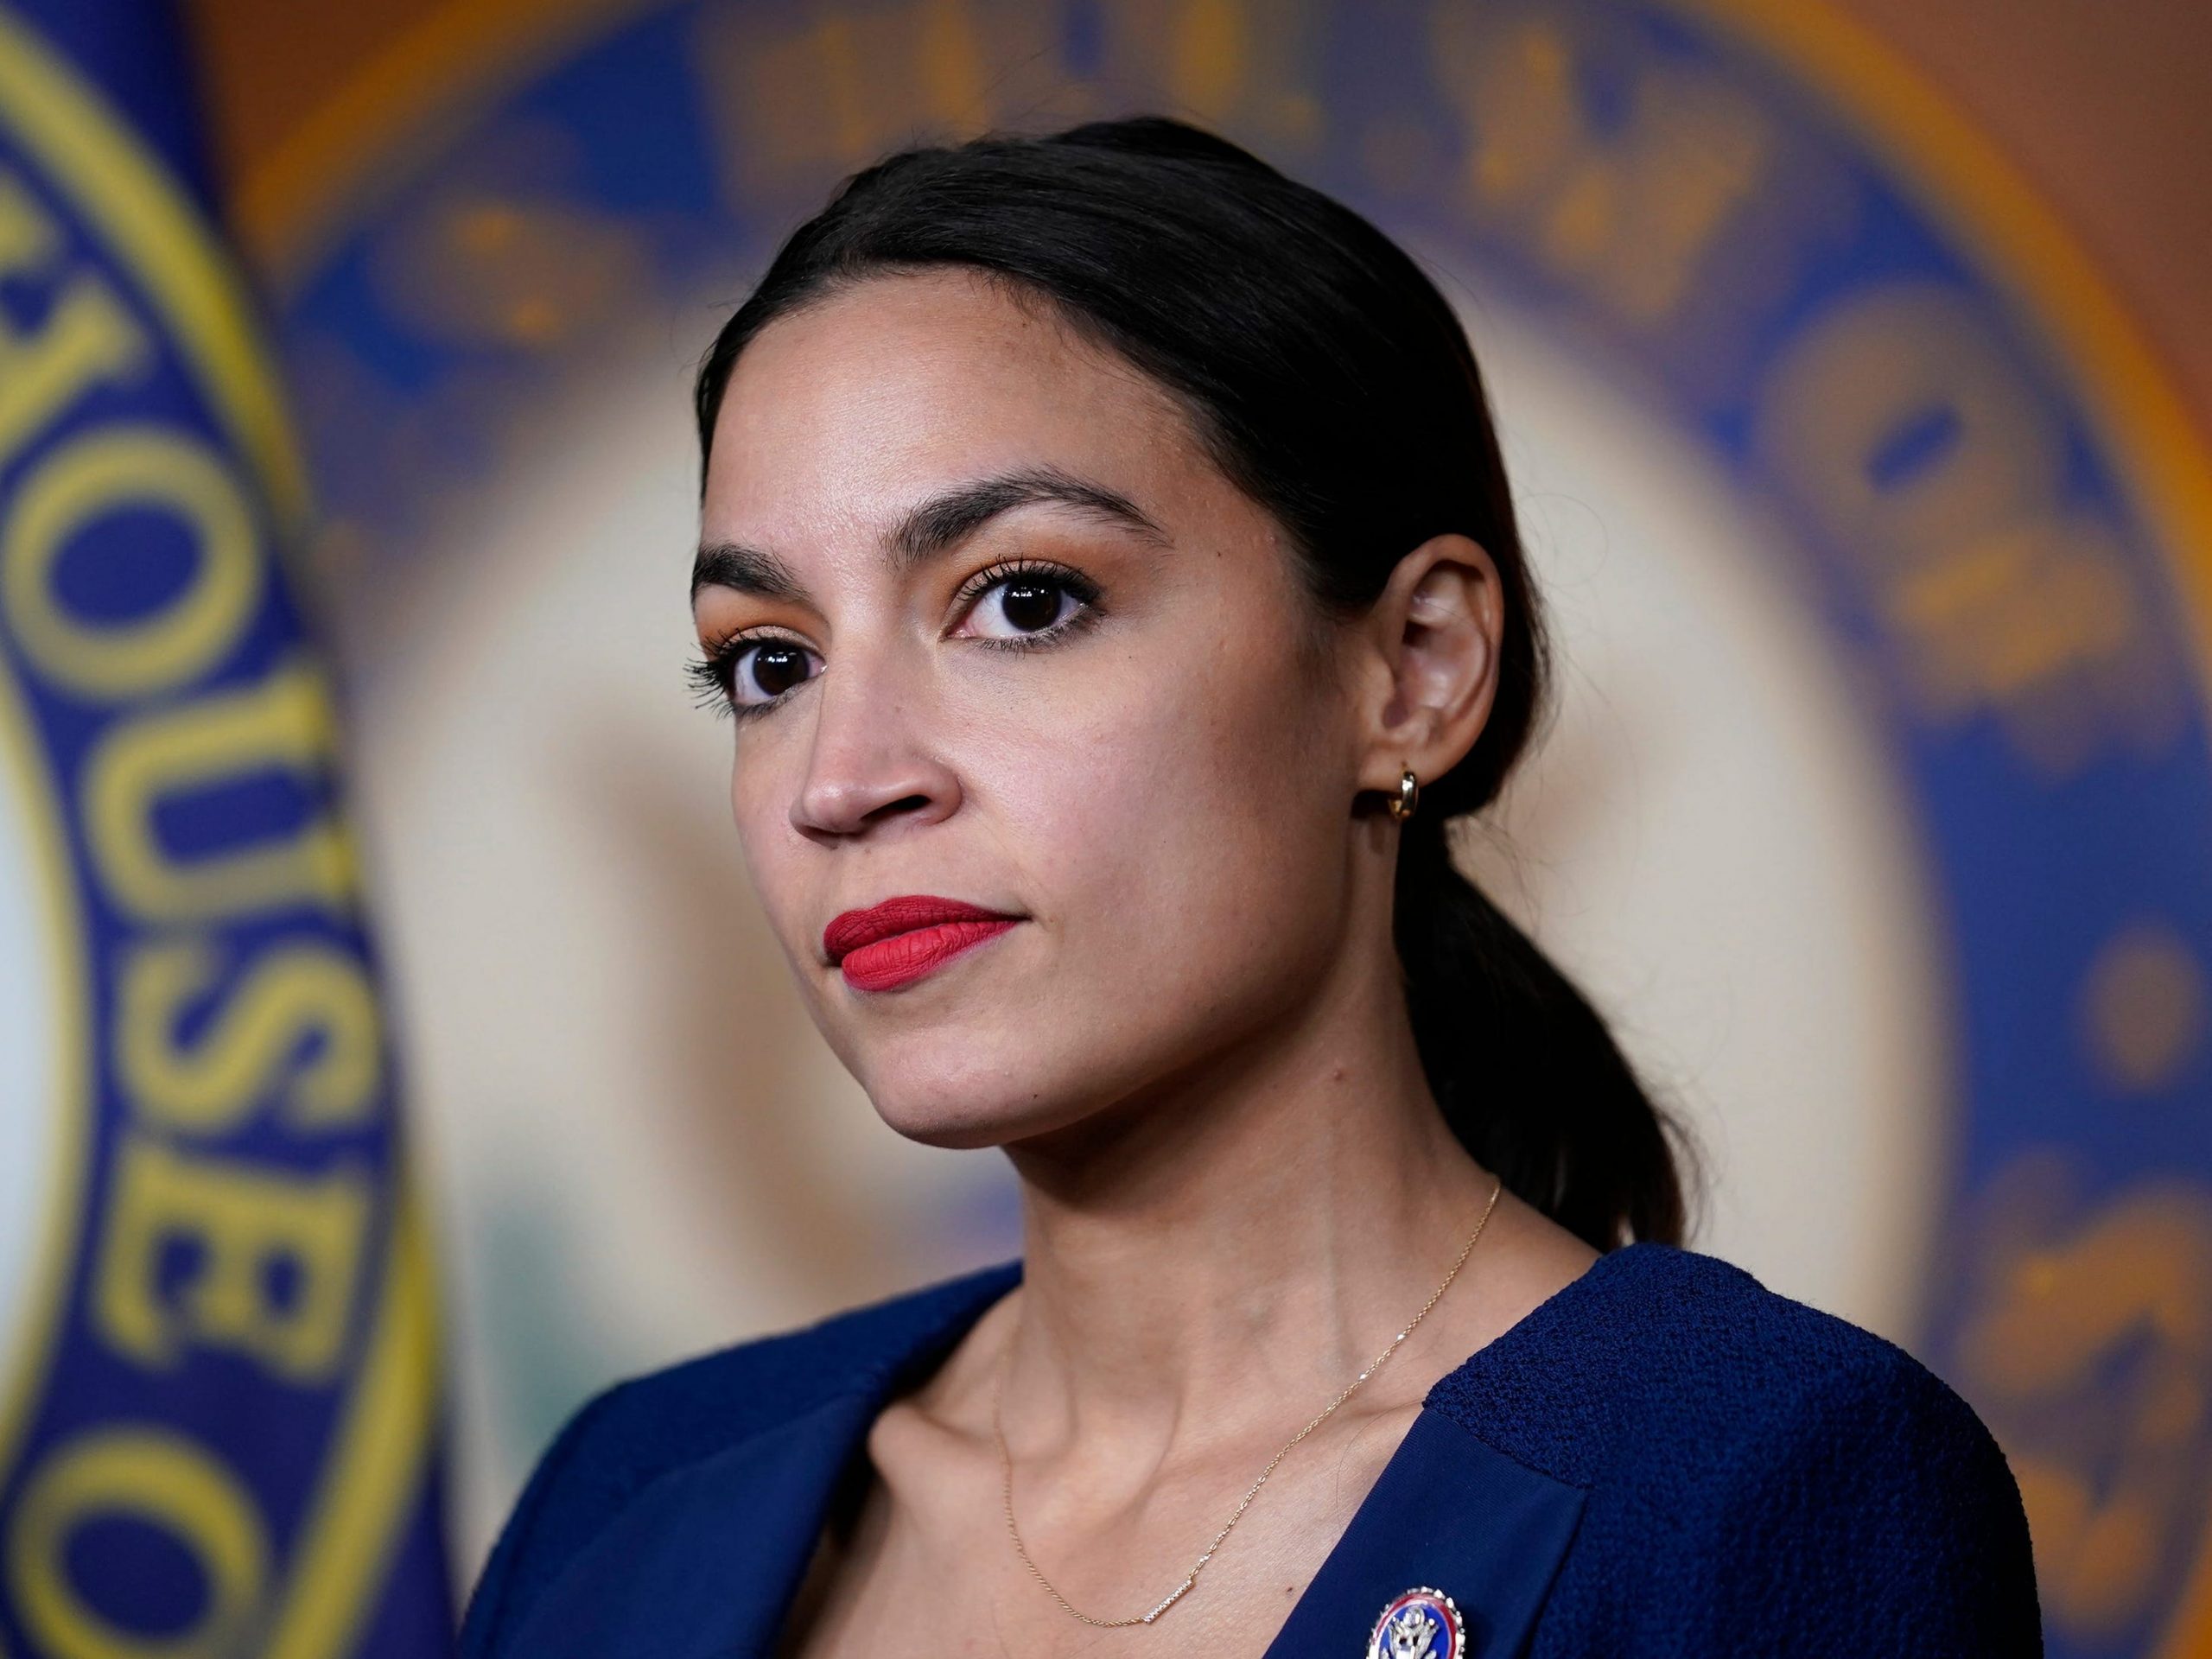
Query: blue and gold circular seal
(217, 1377)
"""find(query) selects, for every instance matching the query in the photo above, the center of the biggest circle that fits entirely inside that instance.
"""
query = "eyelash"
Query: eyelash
(712, 674)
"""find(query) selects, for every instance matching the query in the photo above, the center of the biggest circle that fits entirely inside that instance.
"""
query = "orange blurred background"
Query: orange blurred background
(2106, 108)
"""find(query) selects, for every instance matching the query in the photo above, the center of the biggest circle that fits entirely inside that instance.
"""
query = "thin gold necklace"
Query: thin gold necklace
(1191, 1579)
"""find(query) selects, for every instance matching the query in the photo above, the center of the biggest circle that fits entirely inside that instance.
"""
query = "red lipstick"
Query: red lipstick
(898, 941)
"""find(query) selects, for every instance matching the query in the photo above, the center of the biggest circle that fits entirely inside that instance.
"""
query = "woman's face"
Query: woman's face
(999, 632)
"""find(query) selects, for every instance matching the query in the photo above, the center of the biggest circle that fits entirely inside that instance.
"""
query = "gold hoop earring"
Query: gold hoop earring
(1408, 798)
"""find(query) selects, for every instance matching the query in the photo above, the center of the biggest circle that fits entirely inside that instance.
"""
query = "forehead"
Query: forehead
(855, 406)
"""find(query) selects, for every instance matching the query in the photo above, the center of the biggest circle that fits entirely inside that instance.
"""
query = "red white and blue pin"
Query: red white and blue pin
(1421, 1623)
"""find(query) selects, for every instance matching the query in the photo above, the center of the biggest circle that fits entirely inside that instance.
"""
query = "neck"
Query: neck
(1248, 1235)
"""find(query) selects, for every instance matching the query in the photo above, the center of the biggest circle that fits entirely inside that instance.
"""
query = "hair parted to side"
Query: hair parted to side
(1332, 383)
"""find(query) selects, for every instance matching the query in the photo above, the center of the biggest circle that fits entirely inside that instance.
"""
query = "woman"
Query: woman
(1108, 560)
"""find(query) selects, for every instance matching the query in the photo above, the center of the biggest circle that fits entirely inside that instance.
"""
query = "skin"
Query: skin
(1193, 1046)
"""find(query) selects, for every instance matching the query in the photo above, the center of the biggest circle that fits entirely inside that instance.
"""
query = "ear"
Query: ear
(1434, 634)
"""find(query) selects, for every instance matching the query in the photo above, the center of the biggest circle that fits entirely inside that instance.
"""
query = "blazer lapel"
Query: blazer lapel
(705, 1561)
(1449, 1513)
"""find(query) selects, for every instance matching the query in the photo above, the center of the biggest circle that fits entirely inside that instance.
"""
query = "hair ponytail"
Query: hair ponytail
(1529, 1077)
(1332, 383)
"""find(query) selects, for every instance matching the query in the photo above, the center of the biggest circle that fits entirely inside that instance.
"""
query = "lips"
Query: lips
(901, 940)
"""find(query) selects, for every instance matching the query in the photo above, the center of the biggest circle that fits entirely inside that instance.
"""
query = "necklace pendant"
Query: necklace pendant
(1421, 1623)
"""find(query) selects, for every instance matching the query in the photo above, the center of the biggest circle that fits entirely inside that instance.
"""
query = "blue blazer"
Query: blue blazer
(1663, 1459)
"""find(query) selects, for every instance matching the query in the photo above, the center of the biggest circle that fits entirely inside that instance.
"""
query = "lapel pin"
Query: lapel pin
(1421, 1623)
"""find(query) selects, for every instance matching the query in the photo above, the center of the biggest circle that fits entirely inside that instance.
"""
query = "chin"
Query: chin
(972, 1106)
(969, 1122)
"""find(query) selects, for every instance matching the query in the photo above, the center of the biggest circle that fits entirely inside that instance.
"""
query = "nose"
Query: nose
(869, 770)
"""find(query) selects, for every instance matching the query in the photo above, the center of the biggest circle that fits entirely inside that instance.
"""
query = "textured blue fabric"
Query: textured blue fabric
(1664, 1458)
(1761, 1478)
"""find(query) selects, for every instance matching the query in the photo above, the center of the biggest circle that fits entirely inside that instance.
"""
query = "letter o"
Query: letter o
(1860, 375)
(157, 1477)
(138, 465)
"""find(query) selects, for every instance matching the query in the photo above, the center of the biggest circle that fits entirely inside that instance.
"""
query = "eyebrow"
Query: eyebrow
(934, 527)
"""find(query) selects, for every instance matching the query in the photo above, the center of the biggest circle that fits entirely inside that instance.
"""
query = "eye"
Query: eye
(1027, 602)
(748, 674)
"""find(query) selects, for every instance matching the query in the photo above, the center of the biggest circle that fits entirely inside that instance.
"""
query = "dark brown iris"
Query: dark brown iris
(1030, 607)
(776, 669)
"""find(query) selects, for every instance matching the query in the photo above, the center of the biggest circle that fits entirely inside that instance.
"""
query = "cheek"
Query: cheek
(775, 855)
(1184, 817)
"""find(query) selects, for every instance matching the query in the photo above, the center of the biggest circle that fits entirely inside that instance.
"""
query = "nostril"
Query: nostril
(891, 809)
